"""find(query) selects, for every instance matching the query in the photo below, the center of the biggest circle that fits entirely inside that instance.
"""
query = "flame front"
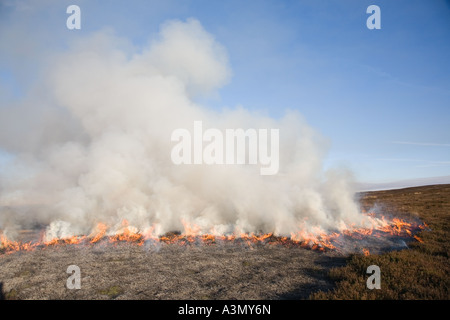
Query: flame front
(316, 240)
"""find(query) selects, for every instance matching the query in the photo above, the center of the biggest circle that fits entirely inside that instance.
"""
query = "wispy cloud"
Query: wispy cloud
(430, 144)
(401, 159)
(434, 164)
(424, 163)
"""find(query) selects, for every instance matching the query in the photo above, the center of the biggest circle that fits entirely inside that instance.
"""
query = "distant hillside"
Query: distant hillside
(403, 183)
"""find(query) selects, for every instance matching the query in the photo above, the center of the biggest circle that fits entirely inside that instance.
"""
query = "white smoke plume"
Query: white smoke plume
(92, 144)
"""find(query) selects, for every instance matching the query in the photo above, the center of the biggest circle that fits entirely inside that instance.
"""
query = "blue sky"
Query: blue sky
(382, 97)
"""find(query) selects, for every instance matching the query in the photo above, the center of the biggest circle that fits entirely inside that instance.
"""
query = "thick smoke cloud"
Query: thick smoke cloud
(92, 144)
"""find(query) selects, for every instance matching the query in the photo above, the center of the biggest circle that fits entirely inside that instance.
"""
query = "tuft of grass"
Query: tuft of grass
(112, 292)
(246, 263)
(420, 272)
(24, 273)
(12, 295)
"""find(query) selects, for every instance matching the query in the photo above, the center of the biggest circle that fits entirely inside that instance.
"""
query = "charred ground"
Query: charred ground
(232, 271)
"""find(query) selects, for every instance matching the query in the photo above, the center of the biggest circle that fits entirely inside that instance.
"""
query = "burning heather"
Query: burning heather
(351, 239)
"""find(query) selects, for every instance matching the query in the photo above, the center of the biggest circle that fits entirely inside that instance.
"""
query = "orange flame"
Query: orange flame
(316, 239)
(100, 232)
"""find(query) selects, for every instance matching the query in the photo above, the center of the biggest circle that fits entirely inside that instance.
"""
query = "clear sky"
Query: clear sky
(382, 97)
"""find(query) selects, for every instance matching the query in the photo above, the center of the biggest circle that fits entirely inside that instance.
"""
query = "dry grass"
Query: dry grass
(421, 272)
(127, 271)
